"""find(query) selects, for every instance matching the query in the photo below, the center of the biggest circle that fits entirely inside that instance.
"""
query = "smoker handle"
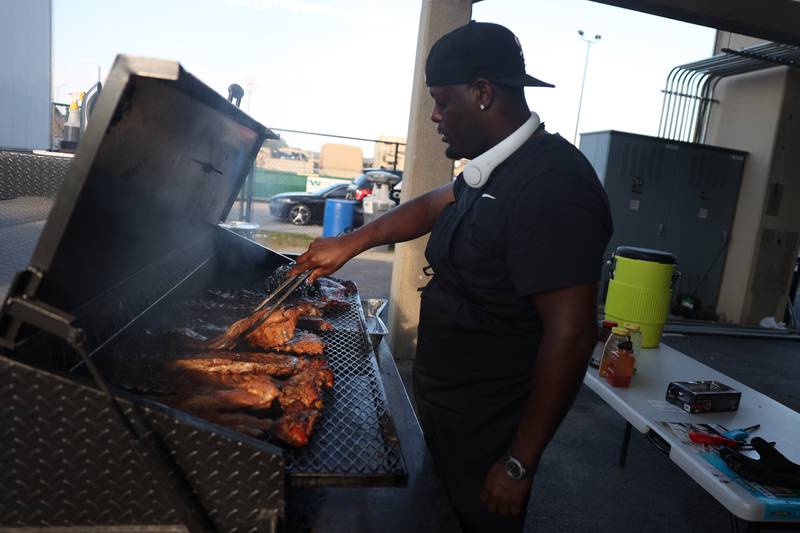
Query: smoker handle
(156, 454)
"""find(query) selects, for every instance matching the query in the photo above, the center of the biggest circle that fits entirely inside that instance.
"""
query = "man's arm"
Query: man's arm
(570, 333)
(407, 221)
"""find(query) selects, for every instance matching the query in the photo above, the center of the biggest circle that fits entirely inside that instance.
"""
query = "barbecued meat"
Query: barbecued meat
(305, 388)
(247, 394)
(249, 425)
(278, 328)
(333, 289)
(302, 343)
(314, 324)
(296, 426)
(225, 362)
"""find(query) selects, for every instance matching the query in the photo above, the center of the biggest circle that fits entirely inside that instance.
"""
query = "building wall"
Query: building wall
(781, 221)
(385, 153)
(25, 75)
(340, 160)
(426, 168)
(734, 41)
(751, 109)
(286, 159)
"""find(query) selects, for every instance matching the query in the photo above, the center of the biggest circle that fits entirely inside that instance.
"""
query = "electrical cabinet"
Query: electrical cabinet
(673, 196)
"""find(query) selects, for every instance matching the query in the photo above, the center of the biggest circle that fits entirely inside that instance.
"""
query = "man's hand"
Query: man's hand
(503, 495)
(326, 256)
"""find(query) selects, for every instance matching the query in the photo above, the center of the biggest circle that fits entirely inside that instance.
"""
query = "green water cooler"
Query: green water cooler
(640, 290)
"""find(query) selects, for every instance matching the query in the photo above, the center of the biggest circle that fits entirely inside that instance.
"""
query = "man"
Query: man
(508, 320)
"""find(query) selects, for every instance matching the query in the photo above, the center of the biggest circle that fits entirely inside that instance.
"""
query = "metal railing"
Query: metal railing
(302, 161)
(305, 161)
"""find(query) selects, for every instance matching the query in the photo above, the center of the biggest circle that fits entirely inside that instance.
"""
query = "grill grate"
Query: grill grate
(354, 441)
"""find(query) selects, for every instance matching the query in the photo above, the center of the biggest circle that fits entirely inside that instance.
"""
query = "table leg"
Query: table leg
(623, 453)
(742, 526)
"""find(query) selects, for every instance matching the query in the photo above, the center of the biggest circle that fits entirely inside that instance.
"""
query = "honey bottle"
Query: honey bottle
(620, 365)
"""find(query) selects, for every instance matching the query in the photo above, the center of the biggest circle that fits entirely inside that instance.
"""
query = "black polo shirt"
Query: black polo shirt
(541, 223)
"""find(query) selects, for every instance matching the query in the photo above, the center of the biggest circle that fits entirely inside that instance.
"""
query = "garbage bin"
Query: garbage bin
(338, 217)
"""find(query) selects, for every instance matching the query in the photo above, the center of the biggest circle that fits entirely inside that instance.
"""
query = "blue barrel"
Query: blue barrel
(338, 217)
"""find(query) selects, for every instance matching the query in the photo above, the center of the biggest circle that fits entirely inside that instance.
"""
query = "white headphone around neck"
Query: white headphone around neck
(477, 171)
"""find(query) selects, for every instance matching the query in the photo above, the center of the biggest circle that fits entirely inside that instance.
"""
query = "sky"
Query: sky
(346, 67)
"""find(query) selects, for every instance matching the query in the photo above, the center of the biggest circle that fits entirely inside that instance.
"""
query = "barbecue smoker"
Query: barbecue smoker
(133, 234)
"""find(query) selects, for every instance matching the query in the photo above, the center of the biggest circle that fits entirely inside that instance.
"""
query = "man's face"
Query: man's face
(455, 111)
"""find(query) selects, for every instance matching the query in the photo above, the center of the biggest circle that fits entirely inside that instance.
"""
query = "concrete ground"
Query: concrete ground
(579, 486)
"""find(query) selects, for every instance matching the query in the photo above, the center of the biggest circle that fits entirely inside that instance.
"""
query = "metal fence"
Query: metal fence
(58, 118)
(306, 162)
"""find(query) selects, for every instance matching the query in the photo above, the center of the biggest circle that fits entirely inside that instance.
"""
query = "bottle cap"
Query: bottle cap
(619, 331)
(609, 324)
(632, 327)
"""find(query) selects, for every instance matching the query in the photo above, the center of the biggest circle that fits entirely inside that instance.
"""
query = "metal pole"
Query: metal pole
(248, 215)
(589, 43)
(396, 148)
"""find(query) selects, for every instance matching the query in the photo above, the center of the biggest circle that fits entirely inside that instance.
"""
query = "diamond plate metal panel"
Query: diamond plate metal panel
(27, 174)
(28, 183)
(67, 462)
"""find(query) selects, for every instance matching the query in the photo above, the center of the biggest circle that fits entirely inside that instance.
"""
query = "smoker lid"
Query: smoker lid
(159, 166)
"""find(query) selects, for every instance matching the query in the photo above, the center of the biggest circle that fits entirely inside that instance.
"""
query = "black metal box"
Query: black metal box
(703, 396)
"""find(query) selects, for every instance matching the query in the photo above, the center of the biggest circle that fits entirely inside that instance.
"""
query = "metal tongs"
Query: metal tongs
(276, 298)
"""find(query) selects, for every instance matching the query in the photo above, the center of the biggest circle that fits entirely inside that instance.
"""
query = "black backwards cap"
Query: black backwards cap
(478, 50)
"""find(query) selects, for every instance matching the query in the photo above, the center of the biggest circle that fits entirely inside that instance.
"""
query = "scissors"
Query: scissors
(740, 434)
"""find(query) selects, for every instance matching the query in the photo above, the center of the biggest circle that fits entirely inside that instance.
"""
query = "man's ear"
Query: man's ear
(482, 93)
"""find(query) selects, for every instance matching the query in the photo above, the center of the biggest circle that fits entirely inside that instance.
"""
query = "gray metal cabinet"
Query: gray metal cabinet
(672, 196)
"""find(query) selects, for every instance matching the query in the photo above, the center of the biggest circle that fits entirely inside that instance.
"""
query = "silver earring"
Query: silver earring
(483, 107)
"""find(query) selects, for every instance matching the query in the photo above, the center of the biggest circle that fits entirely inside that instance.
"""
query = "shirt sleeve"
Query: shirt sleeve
(559, 228)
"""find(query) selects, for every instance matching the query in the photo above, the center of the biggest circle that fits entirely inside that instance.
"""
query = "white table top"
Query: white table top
(643, 406)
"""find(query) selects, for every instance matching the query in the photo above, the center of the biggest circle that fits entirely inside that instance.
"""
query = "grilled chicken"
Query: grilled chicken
(304, 389)
(302, 343)
(316, 324)
(295, 426)
(278, 328)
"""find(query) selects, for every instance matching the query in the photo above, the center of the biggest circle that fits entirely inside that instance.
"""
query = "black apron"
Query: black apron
(472, 374)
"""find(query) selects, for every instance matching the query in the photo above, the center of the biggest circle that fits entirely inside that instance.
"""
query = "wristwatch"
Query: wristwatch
(515, 469)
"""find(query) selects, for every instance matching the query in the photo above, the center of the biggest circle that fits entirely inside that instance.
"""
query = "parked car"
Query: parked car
(301, 208)
(361, 187)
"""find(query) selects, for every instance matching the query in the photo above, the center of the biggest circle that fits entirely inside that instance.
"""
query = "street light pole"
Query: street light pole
(589, 42)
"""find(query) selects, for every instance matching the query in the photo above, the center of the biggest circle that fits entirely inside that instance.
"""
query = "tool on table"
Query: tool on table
(740, 434)
(702, 437)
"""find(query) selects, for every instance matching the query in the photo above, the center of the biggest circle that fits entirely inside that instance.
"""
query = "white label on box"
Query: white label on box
(634, 205)
(664, 406)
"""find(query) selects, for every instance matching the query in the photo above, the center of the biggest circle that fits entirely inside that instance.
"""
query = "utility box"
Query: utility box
(669, 195)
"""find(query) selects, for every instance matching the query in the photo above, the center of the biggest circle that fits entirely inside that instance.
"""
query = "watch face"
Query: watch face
(514, 468)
